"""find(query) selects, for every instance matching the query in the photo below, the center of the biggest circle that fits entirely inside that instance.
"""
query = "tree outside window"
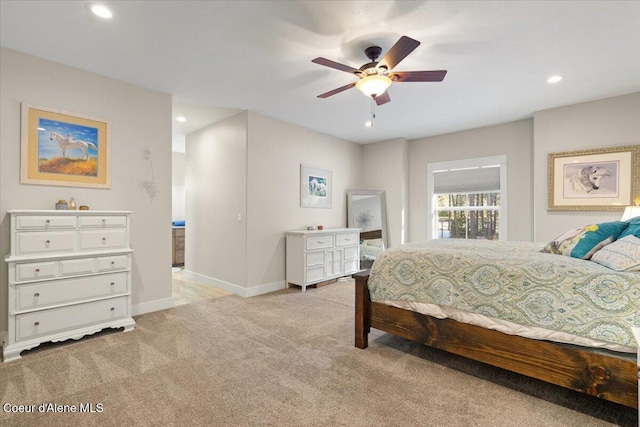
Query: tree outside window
(468, 215)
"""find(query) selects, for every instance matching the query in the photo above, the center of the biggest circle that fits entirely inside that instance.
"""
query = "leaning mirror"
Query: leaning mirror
(366, 210)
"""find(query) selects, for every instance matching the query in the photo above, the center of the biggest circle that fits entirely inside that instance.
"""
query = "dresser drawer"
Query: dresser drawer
(314, 258)
(70, 267)
(351, 252)
(320, 242)
(35, 270)
(315, 274)
(103, 221)
(45, 242)
(60, 319)
(103, 239)
(43, 294)
(44, 222)
(351, 266)
(346, 239)
(118, 262)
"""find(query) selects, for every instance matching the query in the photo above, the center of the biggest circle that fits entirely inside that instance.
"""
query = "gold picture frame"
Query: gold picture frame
(64, 149)
(602, 179)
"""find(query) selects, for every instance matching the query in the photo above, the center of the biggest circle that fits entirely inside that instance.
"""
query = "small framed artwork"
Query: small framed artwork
(315, 187)
(63, 148)
(604, 179)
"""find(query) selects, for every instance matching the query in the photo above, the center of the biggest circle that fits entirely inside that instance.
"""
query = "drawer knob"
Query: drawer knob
(113, 309)
(113, 263)
(37, 270)
(113, 283)
(37, 294)
(47, 222)
(46, 243)
(36, 324)
(104, 240)
(104, 222)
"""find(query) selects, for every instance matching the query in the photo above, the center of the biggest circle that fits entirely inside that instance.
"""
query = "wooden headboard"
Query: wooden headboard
(372, 234)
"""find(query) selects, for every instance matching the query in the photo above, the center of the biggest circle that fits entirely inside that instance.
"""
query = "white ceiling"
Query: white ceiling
(256, 55)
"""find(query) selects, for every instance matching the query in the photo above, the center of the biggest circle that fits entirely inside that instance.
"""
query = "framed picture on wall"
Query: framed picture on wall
(315, 187)
(63, 148)
(603, 179)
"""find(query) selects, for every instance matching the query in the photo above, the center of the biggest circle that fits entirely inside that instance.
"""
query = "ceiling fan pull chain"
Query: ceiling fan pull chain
(373, 110)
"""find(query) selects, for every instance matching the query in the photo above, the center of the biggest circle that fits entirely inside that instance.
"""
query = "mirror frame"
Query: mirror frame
(383, 210)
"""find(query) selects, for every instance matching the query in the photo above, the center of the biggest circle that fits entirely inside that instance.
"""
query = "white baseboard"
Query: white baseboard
(148, 307)
(235, 289)
(265, 288)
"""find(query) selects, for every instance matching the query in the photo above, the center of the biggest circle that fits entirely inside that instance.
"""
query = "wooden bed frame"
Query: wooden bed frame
(373, 234)
(596, 373)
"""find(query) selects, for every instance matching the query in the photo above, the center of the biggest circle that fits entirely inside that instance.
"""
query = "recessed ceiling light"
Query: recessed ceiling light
(181, 119)
(369, 124)
(101, 11)
(554, 79)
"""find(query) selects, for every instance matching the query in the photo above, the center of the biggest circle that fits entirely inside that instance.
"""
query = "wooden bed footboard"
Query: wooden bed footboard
(595, 373)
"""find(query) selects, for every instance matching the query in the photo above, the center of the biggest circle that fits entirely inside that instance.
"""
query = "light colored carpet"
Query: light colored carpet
(282, 359)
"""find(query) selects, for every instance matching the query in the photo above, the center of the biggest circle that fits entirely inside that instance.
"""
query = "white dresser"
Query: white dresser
(69, 276)
(318, 255)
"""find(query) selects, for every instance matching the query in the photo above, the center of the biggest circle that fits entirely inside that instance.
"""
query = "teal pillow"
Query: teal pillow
(583, 242)
(633, 228)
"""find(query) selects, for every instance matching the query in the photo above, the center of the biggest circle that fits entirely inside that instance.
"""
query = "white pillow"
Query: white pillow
(621, 255)
(378, 243)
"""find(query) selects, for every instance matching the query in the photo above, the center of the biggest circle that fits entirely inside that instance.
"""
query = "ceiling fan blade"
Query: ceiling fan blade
(336, 65)
(418, 76)
(398, 52)
(338, 90)
(382, 99)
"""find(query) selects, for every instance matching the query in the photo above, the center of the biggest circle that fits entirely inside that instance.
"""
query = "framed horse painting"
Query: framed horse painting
(64, 149)
(604, 179)
(315, 187)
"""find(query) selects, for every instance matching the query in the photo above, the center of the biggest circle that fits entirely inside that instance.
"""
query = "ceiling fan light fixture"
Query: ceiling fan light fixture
(101, 11)
(373, 86)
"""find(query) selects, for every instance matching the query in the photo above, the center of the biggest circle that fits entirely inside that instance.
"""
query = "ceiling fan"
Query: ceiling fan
(376, 77)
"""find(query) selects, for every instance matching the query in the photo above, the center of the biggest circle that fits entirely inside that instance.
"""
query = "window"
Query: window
(468, 198)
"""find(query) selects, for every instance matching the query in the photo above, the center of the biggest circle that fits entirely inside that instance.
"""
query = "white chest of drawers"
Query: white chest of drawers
(318, 255)
(69, 276)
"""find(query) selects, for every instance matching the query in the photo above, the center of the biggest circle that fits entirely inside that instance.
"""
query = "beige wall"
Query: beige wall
(138, 117)
(276, 150)
(513, 139)
(386, 167)
(604, 123)
(249, 164)
(216, 202)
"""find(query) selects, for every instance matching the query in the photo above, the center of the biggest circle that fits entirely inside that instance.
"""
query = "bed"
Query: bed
(582, 356)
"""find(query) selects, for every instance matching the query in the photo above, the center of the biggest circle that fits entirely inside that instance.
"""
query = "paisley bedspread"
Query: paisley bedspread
(514, 282)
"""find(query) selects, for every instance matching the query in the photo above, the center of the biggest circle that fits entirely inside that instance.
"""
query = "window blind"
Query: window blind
(466, 180)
